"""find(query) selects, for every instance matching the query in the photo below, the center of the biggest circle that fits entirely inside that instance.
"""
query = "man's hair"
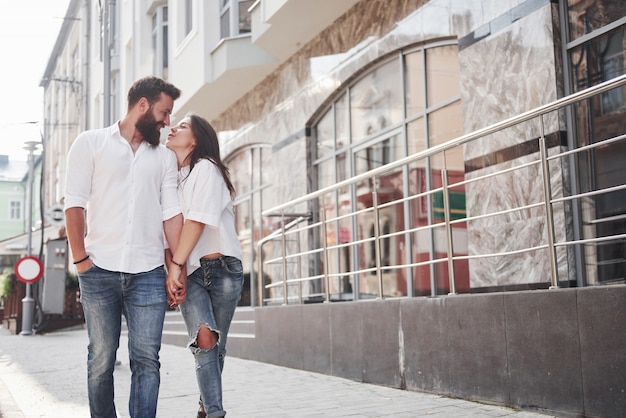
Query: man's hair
(151, 88)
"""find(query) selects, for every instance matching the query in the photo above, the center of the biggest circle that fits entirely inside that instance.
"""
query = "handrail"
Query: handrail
(270, 237)
(332, 242)
(531, 114)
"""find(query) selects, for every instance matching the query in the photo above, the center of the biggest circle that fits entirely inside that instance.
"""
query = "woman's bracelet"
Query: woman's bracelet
(179, 265)
(81, 260)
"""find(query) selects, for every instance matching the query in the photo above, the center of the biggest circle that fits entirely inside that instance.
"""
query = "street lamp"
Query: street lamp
(28, 303)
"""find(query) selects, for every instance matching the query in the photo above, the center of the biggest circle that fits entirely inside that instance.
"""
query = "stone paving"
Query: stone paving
(45, 376)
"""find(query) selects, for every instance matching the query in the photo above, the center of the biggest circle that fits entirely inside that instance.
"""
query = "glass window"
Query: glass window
(325, 135)
(378, 154)
(325, 173)
(15, 210)
(414, 83)
(235, 18)
(379, 119)
(376, 101)
(247, 170)
(599, 58)
(443, 125)
(442, 74)
(188, 16)
(245, 20)
(416, 136)
(587, 16)
(342, 122)
(159, 42)
(225, 24)
(239, 169)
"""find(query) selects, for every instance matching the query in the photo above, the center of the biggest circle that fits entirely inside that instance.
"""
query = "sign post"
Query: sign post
(28, 269)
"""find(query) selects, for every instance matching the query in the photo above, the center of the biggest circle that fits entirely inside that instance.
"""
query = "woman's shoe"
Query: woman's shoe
(201, 412)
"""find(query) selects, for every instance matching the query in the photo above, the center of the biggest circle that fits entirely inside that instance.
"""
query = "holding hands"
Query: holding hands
(176, 283)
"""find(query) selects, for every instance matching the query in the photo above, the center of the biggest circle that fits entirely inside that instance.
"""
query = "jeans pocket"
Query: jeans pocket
(90, 270)
(233, 265)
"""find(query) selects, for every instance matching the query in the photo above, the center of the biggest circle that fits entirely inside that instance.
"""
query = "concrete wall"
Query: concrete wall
(557, 351)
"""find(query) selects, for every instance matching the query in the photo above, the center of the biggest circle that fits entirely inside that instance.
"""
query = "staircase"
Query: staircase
(175, 332)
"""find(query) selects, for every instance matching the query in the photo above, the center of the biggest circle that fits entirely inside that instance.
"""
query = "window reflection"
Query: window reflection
(325, 135)
(587, 16)
(245, 20)
(376, 101)
(414, 89)
(598, 59)
(442, 74)
(247, 170)
(382, 130)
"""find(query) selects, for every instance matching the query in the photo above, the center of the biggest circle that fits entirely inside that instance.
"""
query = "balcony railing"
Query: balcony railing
(301, 251)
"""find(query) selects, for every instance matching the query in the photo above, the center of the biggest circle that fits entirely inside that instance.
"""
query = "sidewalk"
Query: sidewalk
(45, 376)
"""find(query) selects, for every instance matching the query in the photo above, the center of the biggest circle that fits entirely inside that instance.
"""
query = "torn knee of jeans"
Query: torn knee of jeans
(205, 345)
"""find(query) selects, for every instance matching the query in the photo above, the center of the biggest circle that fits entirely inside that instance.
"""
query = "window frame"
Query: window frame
(160, 45)
(375, 140)
(13, 211)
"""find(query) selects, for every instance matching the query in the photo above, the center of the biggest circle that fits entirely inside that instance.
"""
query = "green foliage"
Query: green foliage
(71, 281)
(7, 283)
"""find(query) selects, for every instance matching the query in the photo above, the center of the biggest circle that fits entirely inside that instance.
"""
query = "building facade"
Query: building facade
(18, 197)
(13, 197)
(359, 85)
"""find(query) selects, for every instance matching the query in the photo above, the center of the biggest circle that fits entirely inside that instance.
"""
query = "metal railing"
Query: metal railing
(318, 249)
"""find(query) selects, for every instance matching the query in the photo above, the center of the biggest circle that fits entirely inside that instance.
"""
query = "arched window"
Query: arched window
(250, 182)
(401, 105)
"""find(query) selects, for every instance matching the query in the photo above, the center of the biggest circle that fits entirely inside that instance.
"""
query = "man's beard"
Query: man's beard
(149, 128)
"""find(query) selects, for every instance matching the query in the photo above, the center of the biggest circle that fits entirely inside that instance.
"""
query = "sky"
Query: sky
(28, 31)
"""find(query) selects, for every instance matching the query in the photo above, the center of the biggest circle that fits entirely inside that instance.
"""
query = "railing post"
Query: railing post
(283, 240)
(259, 256)
(379, 273)
(547, 197)
(325, 252)
(299, 267)
(446, 216)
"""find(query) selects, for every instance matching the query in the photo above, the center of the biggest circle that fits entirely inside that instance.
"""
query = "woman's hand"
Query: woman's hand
(176, 285)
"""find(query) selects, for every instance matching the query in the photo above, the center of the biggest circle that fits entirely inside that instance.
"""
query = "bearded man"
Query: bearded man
(121, 191)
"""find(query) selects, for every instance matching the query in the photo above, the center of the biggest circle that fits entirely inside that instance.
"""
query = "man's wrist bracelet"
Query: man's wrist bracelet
(179, 265)
(81, 260)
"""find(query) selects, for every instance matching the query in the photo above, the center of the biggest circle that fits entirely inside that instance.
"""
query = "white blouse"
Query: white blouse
(204, 198)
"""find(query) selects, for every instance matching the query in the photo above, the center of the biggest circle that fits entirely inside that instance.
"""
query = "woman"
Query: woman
(208, 248)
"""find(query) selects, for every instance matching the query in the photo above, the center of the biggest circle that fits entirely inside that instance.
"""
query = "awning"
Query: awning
(18, 245)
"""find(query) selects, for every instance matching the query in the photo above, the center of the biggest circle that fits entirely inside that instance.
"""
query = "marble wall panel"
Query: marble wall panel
(515, 231)
(519, 76)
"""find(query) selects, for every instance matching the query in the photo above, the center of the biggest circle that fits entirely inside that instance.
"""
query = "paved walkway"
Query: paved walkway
(45, 376)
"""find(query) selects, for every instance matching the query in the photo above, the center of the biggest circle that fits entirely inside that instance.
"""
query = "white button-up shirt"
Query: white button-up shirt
(127, 196)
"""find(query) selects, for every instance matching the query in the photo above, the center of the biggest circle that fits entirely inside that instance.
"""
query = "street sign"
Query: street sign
(28, 269)
(56, 215)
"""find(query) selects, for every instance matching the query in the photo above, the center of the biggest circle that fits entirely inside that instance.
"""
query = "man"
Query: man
(121, 189)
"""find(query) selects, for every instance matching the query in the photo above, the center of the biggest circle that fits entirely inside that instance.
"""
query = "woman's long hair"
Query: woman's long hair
(207, 146)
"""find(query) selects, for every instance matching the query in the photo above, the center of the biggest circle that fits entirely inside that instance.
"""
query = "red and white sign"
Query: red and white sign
(28, 269)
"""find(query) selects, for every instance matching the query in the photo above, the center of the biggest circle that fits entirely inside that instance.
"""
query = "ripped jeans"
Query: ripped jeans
(213, 291)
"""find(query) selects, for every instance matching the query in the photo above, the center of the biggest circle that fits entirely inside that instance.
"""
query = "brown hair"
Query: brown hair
(151, 88)
(208, 147)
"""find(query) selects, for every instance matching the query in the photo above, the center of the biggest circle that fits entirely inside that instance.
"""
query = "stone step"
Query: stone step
(175, 331)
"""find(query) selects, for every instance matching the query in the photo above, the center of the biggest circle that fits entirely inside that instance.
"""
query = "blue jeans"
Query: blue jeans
(141, 298)
(213, 292)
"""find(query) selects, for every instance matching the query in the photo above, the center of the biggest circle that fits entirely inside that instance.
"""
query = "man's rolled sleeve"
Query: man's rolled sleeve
(79, 173)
